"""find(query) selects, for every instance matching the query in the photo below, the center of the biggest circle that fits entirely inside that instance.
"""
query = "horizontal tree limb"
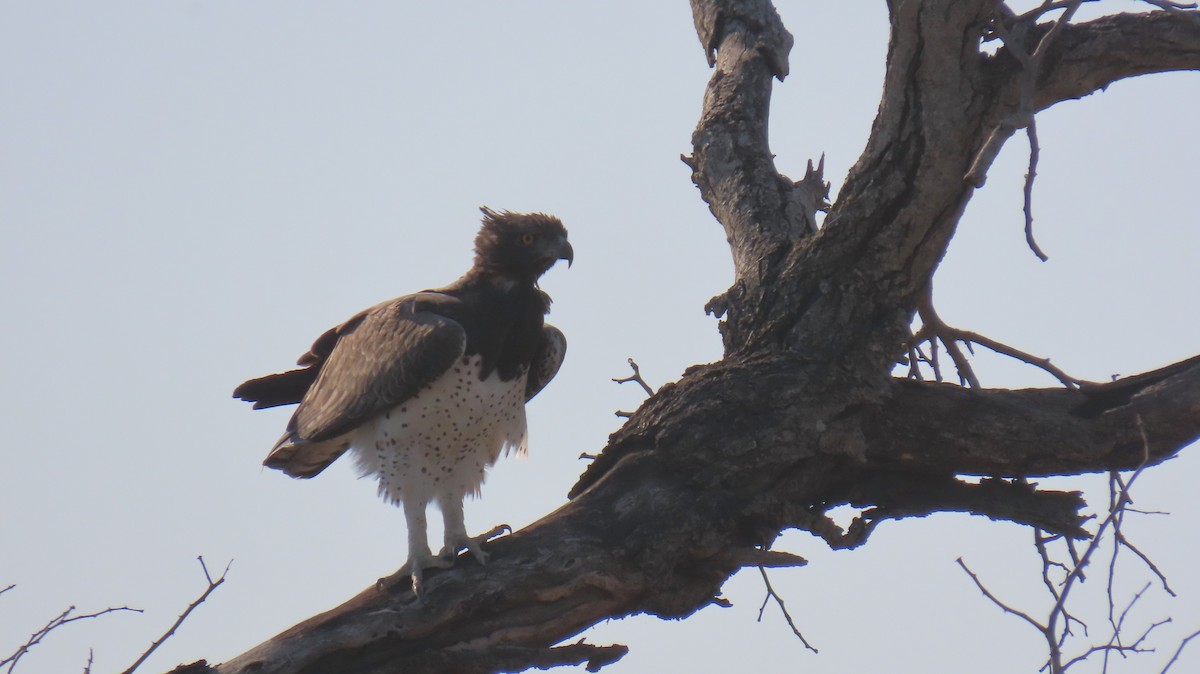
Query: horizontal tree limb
(682, 497)
(1087, 57)
(1036, 432)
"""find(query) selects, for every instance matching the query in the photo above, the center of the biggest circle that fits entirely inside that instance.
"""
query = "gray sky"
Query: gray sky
(190, 192)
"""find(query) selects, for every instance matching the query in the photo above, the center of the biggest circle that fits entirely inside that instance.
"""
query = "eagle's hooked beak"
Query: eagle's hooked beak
(566, 252)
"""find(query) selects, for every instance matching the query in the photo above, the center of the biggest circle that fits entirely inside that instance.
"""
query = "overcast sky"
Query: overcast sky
(192, 191)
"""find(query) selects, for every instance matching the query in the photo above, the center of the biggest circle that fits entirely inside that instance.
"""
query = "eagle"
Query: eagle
(428, 390)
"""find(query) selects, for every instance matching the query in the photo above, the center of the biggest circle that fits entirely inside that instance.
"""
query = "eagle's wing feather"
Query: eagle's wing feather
(385, 358)
(546, 361)
(288, 388)
(273, 390)
(364, 367)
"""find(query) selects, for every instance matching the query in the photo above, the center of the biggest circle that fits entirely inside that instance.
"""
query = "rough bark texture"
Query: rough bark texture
(803, 414)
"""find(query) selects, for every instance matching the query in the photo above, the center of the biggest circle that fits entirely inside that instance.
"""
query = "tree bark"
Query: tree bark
(803, 413)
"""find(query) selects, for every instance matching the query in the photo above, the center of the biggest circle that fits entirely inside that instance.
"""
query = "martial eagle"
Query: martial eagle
(429, 389)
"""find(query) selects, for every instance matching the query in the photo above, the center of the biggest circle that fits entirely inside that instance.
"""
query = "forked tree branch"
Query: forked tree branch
(1089, 56)
(681, 499)
(212, 586)
(57, 622)
(802, 414)
(1056, 628)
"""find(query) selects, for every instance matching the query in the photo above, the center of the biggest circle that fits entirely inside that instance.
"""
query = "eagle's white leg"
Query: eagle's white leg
(456, 530)
(419, 556)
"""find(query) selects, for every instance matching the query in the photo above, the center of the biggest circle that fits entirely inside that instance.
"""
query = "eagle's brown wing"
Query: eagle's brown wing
(546, 361)
(368, 365)
(288, 388)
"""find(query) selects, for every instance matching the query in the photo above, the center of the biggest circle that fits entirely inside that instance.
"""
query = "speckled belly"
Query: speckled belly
(441, 441)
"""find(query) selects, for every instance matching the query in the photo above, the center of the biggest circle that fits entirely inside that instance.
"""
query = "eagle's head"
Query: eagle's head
(520, 245)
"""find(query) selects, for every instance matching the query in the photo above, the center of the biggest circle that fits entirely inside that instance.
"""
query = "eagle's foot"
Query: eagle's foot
(414, 571)
(473, 544)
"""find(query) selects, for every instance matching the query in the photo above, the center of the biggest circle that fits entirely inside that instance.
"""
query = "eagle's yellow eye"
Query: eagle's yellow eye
(527, 238)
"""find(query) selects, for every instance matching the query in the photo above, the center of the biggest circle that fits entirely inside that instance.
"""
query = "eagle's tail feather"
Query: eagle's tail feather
(305, 459)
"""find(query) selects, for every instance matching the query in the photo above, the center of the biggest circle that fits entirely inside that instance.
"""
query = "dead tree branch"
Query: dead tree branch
(997, 601)
(934, 330)
(1034, 151)
(212, 586)
(1031, 63)
(635, 377)
(772, 594)
(802, 414)
(1182, 645)
(1056, 628)
(53, 624)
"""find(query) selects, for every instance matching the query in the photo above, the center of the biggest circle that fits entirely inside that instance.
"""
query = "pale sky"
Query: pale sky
(191, 192)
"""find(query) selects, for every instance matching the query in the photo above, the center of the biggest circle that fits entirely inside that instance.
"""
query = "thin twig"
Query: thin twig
(1124, 542)
(772, 594)
(1117, 648)
(1012, 352)
(55, 623)
(1034, 151)
(1183, 644)
(934, 329)
(914, 362)
(636, 377)
(212, 585)
(87, 668)
(1118, 498)
(1039, 542)
(1005, 607)
(1056, 636)
(1076, 573)
(8, 588)
(1114, 642)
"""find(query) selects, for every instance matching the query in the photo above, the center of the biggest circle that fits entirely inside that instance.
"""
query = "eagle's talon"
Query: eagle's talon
(387, 583)
(472, 544)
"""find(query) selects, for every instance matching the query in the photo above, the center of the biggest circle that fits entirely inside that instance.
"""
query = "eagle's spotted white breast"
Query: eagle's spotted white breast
(439, 443)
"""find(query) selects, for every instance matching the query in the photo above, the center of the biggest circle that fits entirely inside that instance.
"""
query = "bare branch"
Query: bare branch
(635, 377)
(772, 594)
(212, 585)
(802, 412)
(934, 329)
(1034, 151)
(56, 622)
(991, 597)
(1183, 644)
(1057, 628)
(1022, 117)
(1090, 56)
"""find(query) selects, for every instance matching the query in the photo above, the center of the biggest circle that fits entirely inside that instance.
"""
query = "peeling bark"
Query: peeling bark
(802, 415)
